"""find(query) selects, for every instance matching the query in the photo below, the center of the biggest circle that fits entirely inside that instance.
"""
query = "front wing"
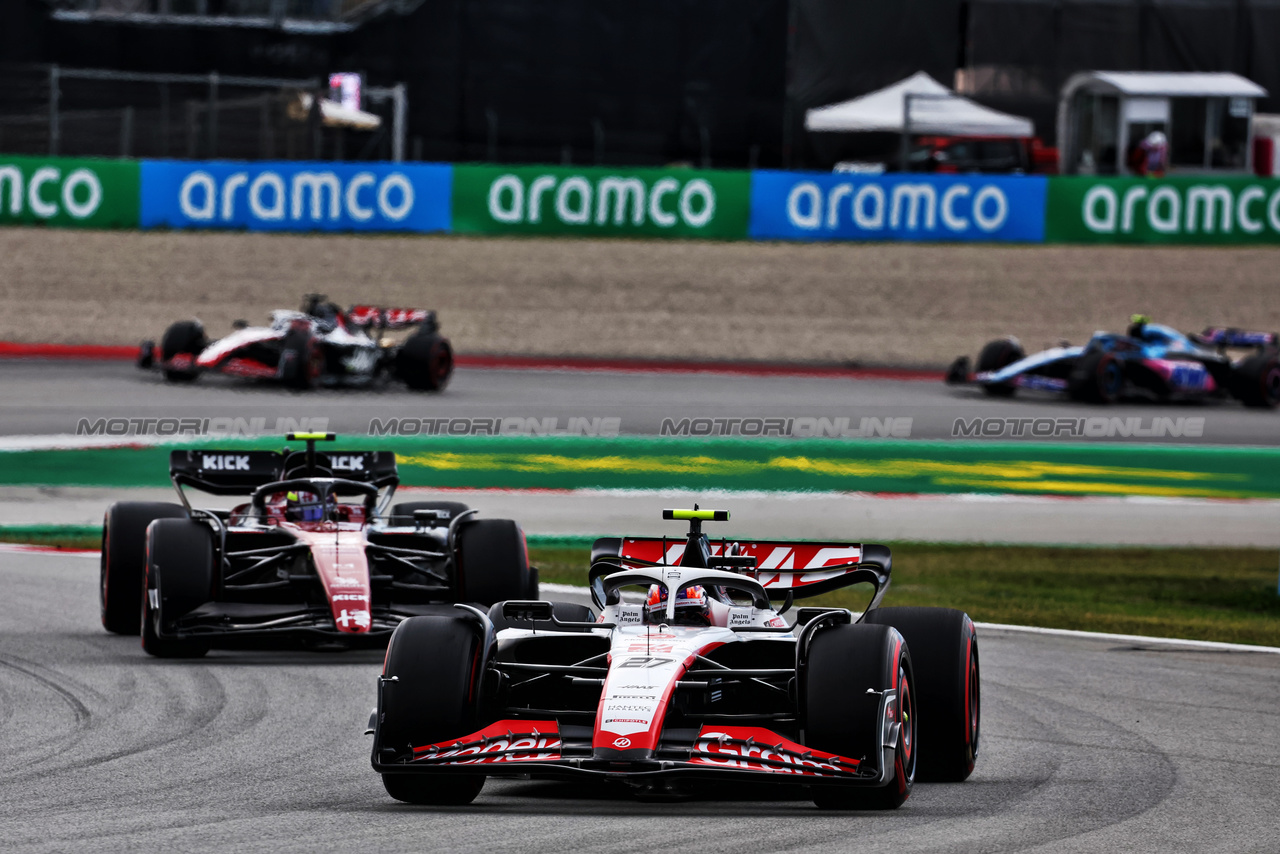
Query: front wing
(540, 749)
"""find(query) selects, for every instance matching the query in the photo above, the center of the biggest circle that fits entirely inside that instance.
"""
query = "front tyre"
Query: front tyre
(430, 694)
(849, 669)
(179, 580)
(944, 650)
(997, 355)
(182, 343)
(1098, 377)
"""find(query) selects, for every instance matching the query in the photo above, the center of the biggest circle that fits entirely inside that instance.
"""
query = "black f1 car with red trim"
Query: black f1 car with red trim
(317, 556)
(699, 678)
(321, 345)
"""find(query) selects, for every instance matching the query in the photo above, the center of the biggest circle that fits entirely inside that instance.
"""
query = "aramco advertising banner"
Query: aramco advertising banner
(600, 202)
(845, 206)
(1193, 209)
(296, 196)
(62, 191)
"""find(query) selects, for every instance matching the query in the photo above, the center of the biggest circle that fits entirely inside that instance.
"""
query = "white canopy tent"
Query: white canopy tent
(917, 105)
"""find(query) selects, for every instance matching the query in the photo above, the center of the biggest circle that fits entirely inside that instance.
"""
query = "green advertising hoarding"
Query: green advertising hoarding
(62, 191)
(601, 202)
(1206, 209)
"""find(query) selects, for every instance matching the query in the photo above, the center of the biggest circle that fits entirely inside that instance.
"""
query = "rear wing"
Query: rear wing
(1226, 337)
(391, 318)
(240, 472)
(784, 568)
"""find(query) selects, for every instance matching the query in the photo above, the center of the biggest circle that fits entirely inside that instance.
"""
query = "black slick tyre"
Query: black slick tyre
(1098, 377)
(186, 339)
(493, 562)
(429, 695)
(425, 362)
(848, 670)
(1255, 381)
(123, 563)
(405, 510)
(944, 651)
(179, 580)
(996, 355)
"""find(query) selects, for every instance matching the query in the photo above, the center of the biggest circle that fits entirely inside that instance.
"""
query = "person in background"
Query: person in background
(1152, 155)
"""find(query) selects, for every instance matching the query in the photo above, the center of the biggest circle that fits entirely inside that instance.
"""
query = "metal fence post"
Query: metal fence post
(126, 131)
(491, 150)
(400, 106)
(55, 128)
(164, 119)
(213, 114)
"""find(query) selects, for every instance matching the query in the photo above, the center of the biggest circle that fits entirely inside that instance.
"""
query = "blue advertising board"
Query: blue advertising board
(296, 196)
(851, 206)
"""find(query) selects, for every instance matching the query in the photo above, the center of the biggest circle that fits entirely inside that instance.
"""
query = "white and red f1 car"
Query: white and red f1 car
(321, 345)
(702, 678)
(317, 556)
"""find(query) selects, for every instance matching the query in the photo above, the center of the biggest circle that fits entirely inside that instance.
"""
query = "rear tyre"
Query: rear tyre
(996, 355)
(1097, 377)
(944, 650)
(1255, 381)
(186, 339)
(493, 562)
(425, 362)
(429, 695)
(123, 564)
(405, 509)
(849, 667)
(179, 580)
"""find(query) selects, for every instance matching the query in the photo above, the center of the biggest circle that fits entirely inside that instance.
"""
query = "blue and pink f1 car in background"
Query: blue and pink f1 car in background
(1149, 361)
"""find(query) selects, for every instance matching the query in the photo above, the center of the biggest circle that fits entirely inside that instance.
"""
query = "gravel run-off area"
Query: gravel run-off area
(867, 304)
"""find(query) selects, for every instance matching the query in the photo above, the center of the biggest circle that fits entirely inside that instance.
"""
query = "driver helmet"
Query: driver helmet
(1137, 325)
(692, 606)
(303, 507)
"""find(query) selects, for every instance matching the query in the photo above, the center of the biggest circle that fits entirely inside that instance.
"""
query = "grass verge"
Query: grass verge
(1205, 594)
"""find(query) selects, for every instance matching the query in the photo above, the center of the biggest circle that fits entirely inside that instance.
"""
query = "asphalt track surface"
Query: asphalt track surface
(42, 397)
(1086, 746)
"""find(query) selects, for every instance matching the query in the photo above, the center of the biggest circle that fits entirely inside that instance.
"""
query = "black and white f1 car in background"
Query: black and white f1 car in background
(316, 556)
(700, 678)
(321, 345)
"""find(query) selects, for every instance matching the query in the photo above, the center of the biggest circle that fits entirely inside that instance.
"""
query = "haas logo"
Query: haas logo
(622, 743)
